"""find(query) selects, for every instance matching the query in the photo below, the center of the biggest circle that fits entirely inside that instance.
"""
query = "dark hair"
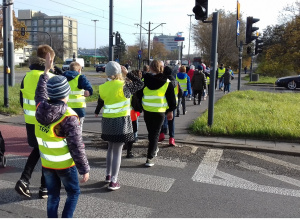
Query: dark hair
(167, 71)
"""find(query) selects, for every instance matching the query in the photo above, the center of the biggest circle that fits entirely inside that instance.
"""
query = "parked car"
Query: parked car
(290, 82)
(100, 67)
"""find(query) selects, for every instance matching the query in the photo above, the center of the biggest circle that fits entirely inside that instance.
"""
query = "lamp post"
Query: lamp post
(190, 36)
(95, 40)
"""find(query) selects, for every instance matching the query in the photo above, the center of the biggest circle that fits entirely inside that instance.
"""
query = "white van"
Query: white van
(67, 62)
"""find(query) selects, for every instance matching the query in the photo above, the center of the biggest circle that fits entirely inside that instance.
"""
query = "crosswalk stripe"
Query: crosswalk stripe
(138, 180)
(87, 207)
(271, 159)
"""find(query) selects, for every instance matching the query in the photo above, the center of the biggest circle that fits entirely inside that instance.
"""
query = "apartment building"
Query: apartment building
(63, 31)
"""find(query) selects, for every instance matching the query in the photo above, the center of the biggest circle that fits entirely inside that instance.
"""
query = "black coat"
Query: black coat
(198, 80)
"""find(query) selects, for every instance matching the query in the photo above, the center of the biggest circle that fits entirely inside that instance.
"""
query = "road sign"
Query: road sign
(179, 39)
(238, 28)
(140, 52)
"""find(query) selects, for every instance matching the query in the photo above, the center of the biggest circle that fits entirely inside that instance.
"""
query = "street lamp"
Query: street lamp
(95, 40)
(190, 36)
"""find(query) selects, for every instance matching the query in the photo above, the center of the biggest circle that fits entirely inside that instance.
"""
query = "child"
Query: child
(116, 123)
(60, 142)
(80, 88)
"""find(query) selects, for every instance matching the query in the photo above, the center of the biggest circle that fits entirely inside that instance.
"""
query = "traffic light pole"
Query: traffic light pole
(11, 54)
(111, 36)
(240, 64)
(213, 64)
(252, 56)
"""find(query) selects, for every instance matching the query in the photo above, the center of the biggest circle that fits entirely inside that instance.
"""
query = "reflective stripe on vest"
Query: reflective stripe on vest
(183, 83)
(30, 83)
(76, 96)
(54, 150)
(176, 91)
(221, 72)
(155, 100)
(115, 103)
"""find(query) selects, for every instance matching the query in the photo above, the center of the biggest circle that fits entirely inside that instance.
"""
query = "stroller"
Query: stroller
(2, 150)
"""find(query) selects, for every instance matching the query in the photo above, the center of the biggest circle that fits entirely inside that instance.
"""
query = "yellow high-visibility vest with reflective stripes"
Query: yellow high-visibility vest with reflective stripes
(54, 150)
(155, 100)
(115, 103)
(76, 96)
(183, 83)
(221, 72)
(30, 83)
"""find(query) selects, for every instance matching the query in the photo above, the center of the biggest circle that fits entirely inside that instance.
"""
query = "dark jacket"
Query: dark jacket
(174, 84)
(83, 83)
(50, 111)
(227, 77)
(198, 80)
(183, 76)
(156, 81)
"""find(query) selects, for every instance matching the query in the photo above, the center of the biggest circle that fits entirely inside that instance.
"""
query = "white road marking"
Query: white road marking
(271, 159)
(87, 206)
(265, 172)
(208, 169)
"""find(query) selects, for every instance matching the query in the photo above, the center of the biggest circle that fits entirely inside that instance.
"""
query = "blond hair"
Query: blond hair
(74, 66)
(155, 66)
(118, 76)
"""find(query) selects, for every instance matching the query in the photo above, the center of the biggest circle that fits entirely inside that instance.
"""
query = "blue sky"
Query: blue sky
(127, 13)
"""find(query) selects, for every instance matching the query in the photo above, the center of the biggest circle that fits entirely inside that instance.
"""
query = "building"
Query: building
(63, 31)
(168, 41)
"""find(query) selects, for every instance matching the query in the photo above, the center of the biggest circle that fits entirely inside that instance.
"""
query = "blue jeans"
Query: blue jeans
(170, 124)
(227, 87)
(221, 83)
(69, 178)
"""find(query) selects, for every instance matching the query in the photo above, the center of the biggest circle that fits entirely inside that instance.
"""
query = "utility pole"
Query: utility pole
(190, 36)
(149, 32)
(140, 56)
(95, 40)
(11, 54)
(111, 35)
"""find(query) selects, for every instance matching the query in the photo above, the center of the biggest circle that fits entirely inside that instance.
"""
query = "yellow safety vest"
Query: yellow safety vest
(221, 72)
(54, 150)
(155, 100)
(183, 83)
(30, 83)
(208, 80)
(76, 96)
(176, 91)
(115, 103)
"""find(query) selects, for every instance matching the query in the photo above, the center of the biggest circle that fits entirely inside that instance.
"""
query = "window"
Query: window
(59, 22)
(53, 22)
(47, 22)
(59, 29)
(70, 23)
(47, 29)
(34, 29)
(34, 22)
(34, 37)
(53, 29)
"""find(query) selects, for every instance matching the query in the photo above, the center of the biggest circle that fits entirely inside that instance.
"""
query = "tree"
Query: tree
(19, 40)
(227, 49)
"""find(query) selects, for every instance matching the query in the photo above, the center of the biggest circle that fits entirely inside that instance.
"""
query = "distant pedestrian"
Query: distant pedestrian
(27, 95)
(157, 98)
(227, 80)
(245, 69)
(198, 84)
(191, 74)
(114, 97)
(80, 89)
(60, 142)
(220, 71)
(185, 84)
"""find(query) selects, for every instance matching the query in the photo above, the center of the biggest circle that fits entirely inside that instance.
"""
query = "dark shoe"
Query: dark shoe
(23, 188)
(194, 102)
(177, 115)
(199, 103)
(149, 163)
(43, 193)
(108, 179)
(184, 112)
(129, 155)
(172, 141)
(113, 186)
(161, 137)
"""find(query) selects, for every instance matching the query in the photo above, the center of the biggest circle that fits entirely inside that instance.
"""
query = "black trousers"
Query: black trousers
(181, 101)
(154, 121)
(33, 158)
(199, 93)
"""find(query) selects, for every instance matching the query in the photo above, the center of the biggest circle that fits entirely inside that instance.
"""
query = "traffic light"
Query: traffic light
(250, 29)
(201, 9)
(249, 50)
(23, 31)
(118, 38)
(258, 46)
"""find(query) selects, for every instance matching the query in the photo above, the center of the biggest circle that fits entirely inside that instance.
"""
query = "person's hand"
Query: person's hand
(96, 115)
(86, 93)
(48, 63)
(85, 177)
(170, 116)
(124, 70)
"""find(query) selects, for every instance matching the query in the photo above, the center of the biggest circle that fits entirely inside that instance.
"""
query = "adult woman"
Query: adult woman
(158, 98)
